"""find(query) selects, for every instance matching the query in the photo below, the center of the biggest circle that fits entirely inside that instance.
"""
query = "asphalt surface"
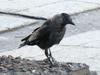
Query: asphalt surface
(87, 21)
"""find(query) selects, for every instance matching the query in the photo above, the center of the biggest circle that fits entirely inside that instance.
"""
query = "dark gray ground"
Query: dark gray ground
(84, 22)
(18, 66)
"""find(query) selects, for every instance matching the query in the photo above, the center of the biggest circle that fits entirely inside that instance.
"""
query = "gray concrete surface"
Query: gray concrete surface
(87, 21)
(26, 7)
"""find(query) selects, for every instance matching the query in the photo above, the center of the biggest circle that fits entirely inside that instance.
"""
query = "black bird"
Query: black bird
(49, 34)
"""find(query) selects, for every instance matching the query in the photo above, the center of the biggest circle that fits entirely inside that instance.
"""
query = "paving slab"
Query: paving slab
(46, 8)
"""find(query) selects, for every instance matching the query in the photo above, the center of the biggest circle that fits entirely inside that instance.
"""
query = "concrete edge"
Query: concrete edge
(84, 11)
(18, 27)
(25, 25)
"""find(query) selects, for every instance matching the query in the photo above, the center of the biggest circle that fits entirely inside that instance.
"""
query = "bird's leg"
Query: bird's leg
(50, 53)
(53, 60)
(48, 56)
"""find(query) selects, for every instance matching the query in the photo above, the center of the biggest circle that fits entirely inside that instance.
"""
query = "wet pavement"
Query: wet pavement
(88, 21)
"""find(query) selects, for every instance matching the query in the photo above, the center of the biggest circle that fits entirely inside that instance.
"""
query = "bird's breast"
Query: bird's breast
(57, 36)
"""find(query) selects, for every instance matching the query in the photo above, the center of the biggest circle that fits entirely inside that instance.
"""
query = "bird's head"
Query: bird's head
(66, 19)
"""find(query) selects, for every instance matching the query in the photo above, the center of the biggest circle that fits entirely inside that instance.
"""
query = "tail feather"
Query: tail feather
(21, 45)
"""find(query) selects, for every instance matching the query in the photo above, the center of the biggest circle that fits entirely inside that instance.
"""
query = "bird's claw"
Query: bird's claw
(53, 62)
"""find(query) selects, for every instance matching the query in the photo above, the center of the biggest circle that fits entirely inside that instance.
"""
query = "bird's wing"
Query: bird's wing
(26, 38)
(35, 29)
(29, 35)
(39, 33)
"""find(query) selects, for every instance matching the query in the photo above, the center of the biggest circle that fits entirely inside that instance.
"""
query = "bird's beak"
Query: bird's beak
(72, 23)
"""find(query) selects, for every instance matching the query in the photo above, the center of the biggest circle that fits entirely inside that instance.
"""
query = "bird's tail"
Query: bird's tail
(21, 45)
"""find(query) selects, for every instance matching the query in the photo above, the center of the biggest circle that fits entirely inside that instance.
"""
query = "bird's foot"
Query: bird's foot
(53, 62)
